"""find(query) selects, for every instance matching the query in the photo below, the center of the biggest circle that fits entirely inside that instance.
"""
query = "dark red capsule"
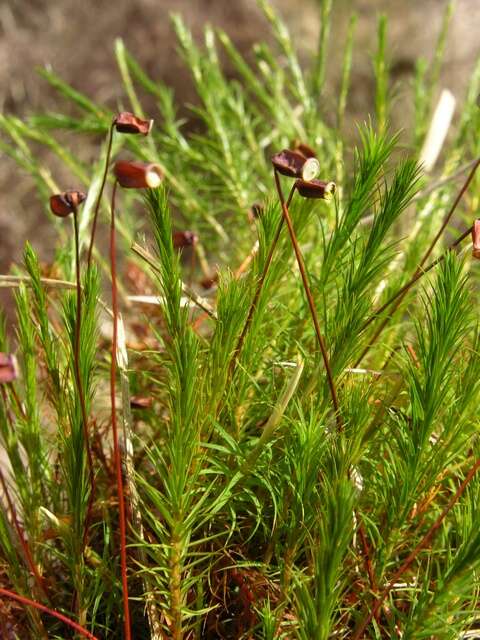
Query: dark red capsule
(295, 165)
(209, 282)
(63, 204)
(318, 189)
(138, 175)
(183, 239)
(8, 368)
(127, 122)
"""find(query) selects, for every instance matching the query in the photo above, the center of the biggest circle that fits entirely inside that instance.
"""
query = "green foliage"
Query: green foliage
(252, 514)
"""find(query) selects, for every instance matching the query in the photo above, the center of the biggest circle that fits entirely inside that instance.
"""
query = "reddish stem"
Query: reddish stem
(420, 546)
(23, 541)
(399, 296)
(51, 612)
(401, 293)
(17, 400)
(368, 562)
(366, 553)
(100, 194)
(311, 303)
(450, 213)
(116, 446)
(256, 296)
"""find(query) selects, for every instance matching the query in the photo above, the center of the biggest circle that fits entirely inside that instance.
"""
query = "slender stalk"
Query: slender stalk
(78, 376)
(23, 541)
(256, 296)
(18, 402)
(116, 446)
(449, 214)
(420, 546)
(51, 612)
(417, 277)
(401, 293)
(100, 194)
(366, 557)
(443, 181)
(311, 303)
(399, 296)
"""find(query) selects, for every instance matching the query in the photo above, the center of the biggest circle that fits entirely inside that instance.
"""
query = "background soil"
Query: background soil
(76, 39)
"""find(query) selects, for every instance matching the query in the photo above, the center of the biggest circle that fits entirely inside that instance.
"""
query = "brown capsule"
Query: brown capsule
(62, 204)
(255, 212)
(141, 402)
(476, 239)
(138, 175)
(295, 165)
(8, 368)
(126, 122)
(183, 239)
(316, 189)
(209, 282)
(288, 163)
